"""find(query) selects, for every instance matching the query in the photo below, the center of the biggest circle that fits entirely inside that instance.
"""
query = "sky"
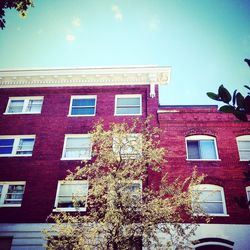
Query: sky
(203, 41)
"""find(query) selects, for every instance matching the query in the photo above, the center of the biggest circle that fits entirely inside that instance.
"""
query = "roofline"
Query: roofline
(188, 106)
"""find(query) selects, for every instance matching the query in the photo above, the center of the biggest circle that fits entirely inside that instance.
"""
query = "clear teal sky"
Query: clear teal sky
(204, 41)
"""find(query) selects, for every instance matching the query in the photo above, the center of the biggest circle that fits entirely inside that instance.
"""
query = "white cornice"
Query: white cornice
(130, 75)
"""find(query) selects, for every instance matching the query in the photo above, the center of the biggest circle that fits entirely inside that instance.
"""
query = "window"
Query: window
(16, 145)
(243, 143)
(11, 194)
(128, 146)
(71, 196)
(82, 106)
(77, 147)
(128, 105)
(210, 198)
(201, 147)
(24, 105)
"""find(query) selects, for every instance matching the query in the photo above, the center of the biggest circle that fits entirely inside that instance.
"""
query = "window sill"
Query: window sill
(213, 215)
(203, 159)
(80, 115)
(10, 205)
(59, 210)
(127, 114)
(75, 159)
(15, 155)
(244, 160)
(22, 113)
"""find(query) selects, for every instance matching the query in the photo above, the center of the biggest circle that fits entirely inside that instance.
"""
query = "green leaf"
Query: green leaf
(224, 94)
(247, 104)
(240, 100)
(227, 109)
(247, 87)
(240, 115)
(234, 96)
(213, 96)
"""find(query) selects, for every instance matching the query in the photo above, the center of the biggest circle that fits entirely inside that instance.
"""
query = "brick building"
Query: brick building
(45, 116)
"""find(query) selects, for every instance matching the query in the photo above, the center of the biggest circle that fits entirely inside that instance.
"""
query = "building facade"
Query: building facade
(45, 116)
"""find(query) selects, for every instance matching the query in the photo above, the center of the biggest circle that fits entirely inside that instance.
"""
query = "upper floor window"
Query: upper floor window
(11, 193)
(20, 145)
(128, 146)
(24, 105)
(243, 143)
(71, 196)
(201, 147)
(128, 105)
(82, 105)
(210, 198)
(77, 147)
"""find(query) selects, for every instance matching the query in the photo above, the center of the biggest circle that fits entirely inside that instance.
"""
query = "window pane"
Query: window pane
(244, 155)
(16, 106)
(245, 145)
(83, 102)
(25, 146)
(248, 195)
(78, 142)
(210, 196)
(135, 101)
(212, 207)
(83, 111)
(14, 195)
(128, 110)
(34, 106)
(193, 150)
(207, 149)
(6, 146)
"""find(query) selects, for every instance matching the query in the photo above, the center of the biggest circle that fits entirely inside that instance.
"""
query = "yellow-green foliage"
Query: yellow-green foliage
(118, 217)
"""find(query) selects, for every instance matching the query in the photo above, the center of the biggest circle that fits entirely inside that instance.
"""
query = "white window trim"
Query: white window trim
(128, 96)
(65, 143)
(69, 209)
(211, 187)
(26, 100)
(6, 185)
(16, 144)
(242, 138)
(82, 97)
(202, 137)
(248, 195)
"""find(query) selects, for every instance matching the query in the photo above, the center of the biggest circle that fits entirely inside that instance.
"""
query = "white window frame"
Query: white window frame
(128, 96)
(82, 97)
(248, 193)
(213, 188)
(70, 209)
(127, 155)
(26, 100)
(201, 137)
(6, 185)
(242, 138)
(67, 136)
(17, 139)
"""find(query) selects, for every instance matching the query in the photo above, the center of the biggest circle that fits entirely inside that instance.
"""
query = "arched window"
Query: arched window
(243, 143)
(213, 244)
(201, 147)
(210, 199)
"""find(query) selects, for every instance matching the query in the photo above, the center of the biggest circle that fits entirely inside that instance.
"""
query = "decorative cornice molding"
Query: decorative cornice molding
(134, 75)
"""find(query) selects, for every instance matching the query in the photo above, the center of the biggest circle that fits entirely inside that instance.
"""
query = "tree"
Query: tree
(125, 208)
(20, 5)
(238, 105)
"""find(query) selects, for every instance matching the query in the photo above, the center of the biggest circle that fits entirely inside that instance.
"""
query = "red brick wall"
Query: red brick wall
(179, 122)
(42, 171)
